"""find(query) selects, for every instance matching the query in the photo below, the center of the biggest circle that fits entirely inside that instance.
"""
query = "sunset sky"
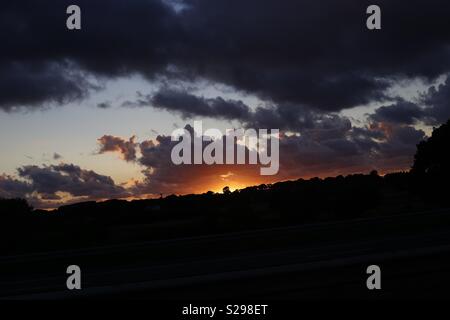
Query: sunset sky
(87, 114)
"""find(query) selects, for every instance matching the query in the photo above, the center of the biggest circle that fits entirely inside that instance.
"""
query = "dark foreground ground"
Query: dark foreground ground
(315, 261)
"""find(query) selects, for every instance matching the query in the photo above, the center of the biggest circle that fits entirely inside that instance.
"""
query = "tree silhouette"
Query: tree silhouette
(226, 190)
(433, 155)
(14, 208)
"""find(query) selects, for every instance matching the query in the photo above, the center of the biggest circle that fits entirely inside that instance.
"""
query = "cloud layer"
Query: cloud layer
(308, 53)
(49, 186)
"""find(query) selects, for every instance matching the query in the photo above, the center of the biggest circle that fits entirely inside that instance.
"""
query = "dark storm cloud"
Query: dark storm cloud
(308, 53)
(127, 149)
(71, 179)
(305, 156)
(298, 119)
(40, 185)
(38, 84)
(289, 117)
(285, 117)
(317, 53)
(13, 188)
(401, 112)
(434, 108)
(189, 105)
(438, 100)
(117, 38)
(356, 150)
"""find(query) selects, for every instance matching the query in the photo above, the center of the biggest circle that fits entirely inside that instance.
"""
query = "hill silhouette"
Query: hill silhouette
(279, 204)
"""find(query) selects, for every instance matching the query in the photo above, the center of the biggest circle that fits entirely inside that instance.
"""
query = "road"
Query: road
(327, 260)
